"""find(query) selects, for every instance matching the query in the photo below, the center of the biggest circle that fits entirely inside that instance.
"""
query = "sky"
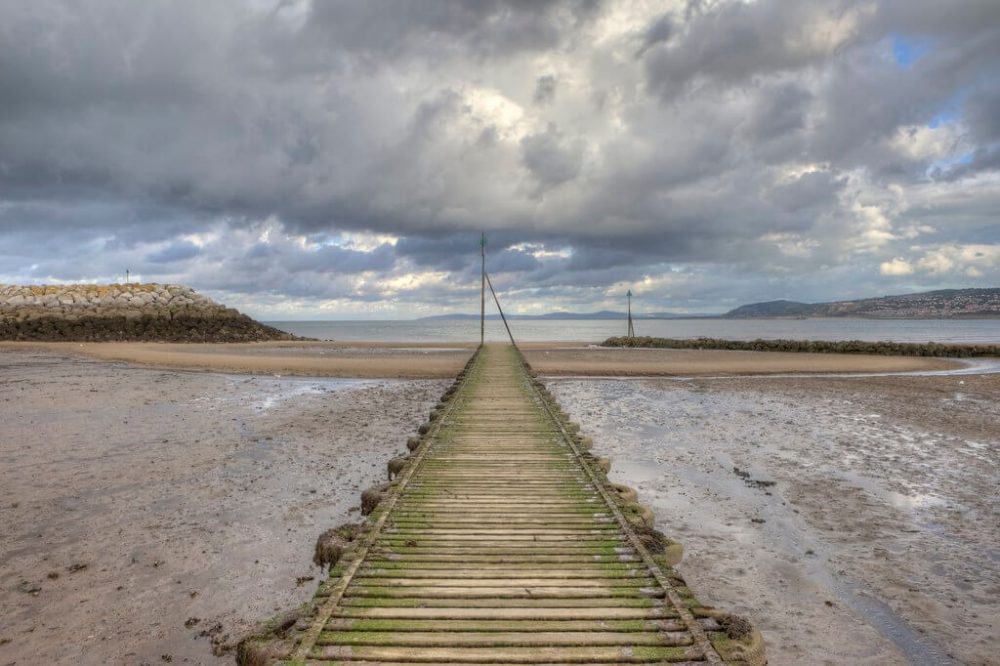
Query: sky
(338, 159)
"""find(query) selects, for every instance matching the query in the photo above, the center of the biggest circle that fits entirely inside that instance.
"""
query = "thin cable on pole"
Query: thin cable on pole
(493, 291)
(482, 293)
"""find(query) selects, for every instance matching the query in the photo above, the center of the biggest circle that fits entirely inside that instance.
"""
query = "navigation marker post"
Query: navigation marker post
(631, 328)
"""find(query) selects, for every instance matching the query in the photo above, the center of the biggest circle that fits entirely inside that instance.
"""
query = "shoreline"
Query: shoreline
(440, 360)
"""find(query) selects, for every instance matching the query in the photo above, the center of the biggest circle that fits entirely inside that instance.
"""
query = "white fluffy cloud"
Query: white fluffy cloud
(897, 266)
(970, 260)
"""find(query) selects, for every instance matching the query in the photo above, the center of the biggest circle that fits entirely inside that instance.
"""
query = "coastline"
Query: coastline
(404, 360)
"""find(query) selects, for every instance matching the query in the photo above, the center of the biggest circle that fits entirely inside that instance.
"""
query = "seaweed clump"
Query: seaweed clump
(735, 626)
(372, 496)
(274, 639)
(331, 544)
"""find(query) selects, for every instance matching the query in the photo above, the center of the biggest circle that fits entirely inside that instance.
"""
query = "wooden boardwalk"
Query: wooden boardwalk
(501, 542)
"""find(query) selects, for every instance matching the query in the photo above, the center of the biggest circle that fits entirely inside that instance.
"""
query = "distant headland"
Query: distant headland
(944, 303)
(940, 304)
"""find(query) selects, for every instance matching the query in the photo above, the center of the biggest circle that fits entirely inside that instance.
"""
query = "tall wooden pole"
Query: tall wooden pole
(482, 292)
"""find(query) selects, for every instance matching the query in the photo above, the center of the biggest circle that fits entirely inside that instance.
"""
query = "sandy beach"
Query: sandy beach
(596, 361)
(443, 360)
(156, 516)
(159, 509)
(306, 359)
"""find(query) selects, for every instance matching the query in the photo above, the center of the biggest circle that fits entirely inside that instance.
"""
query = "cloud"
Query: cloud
(552, 158)
(174, 251)
(545, 89)
(381, 29)
(895, 267)
(657, 32)
(972, 260)
(725, 150)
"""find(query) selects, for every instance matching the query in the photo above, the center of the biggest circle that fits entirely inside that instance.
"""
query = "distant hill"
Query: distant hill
(771, 309)
(603, 314)
(943, 303)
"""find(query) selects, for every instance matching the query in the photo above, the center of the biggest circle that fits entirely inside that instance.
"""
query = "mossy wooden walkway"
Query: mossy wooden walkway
(502, 542)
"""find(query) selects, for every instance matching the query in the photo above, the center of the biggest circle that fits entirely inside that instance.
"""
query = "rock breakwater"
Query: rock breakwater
(123, 312)
(882, 348)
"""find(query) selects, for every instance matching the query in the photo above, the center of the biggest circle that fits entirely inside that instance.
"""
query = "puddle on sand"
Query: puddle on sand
(919, 650)
(272, 391)
(788, 533)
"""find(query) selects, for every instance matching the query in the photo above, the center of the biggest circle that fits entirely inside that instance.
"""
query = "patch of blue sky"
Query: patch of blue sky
(944, 165)
(908, 50)
(950, 111)
(946, 117)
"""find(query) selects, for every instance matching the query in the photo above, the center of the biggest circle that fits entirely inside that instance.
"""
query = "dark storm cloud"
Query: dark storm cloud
(982, 112)
(734, 41)
(233, 144)
(392, 28)
(658, 32)
(781, 110)
(451, 252)
(177, 251)
(545, 89)
(551, 158)
(812, 190)
(513, 260)
(328, 259)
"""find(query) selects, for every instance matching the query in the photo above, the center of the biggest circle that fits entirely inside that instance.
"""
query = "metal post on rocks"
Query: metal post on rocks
(631, 328)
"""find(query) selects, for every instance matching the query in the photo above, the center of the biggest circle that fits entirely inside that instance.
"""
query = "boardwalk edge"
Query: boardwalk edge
(291, 638)
(734, 637)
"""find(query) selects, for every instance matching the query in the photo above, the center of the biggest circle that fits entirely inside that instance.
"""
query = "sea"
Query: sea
(969, 331)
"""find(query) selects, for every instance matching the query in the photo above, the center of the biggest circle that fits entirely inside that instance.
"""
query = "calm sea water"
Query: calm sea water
(596, 330)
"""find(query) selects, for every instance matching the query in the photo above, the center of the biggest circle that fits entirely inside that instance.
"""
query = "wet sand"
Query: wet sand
(444, 360)
(309, 359)
(877, 543)
(155, 514)
(196, 496)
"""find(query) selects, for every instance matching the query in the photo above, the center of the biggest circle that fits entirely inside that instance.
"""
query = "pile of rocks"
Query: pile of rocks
(152, 312)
